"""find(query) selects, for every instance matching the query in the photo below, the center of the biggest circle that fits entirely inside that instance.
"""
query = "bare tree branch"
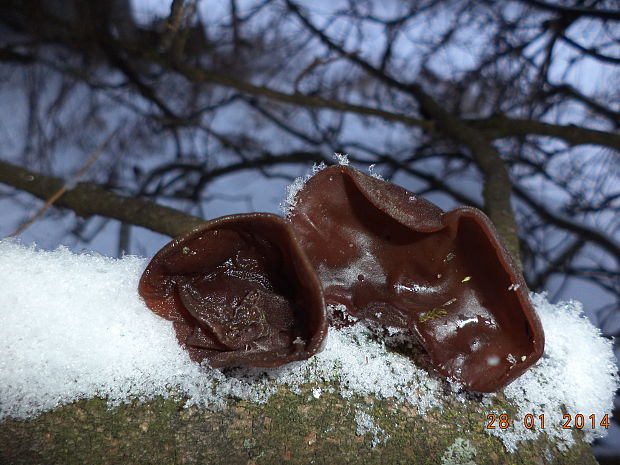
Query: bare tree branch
(496, 186)
(603, 241)
(498, 126)
(296, 98)
(88, 199)
(590, 51)
(574, 11)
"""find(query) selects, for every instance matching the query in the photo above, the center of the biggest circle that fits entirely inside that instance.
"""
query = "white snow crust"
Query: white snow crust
(292, 189)
(289, 202)
(73, 327)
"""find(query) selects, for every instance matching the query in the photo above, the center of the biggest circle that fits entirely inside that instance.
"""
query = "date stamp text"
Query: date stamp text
(530, 421)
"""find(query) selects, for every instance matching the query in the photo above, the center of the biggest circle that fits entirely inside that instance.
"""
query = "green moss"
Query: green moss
(290, 428)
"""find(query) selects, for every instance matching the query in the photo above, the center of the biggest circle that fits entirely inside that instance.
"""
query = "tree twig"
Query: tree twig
(87, 199)
(66, 186)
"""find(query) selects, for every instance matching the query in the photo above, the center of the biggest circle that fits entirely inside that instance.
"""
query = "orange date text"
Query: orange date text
(530, 421)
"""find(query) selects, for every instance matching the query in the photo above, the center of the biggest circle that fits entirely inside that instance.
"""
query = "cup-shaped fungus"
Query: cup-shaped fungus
(239, 291)
(394, 258)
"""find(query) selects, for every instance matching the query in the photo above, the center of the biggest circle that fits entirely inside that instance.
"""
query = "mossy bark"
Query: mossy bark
(290, 428)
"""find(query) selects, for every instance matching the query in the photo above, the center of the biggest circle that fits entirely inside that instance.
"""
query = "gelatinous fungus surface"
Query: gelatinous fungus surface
(394, 258)
(239, 291)
(248, 289)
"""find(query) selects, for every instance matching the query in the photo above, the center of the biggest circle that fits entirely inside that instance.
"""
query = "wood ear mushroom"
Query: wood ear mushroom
(394, 258)
(251, 289)
(239, 291)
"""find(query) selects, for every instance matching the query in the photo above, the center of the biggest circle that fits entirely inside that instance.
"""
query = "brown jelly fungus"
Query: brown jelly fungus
(239, 291)
(396, 259)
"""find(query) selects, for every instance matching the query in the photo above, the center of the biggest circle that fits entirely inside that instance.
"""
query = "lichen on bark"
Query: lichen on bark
(292, 428)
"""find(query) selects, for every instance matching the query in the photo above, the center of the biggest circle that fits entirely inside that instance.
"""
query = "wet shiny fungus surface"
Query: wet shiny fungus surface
(394, 258)
(251, 289)
(239, 291)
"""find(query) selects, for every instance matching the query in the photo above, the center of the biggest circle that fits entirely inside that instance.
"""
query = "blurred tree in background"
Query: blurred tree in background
(510, 106)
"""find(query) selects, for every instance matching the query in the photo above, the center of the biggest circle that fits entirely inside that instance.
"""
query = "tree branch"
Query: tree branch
(499, 126)
(557, 264)
(596, 237)
(591, 51)
(203, 75)
(576, 11)
(593, 105)
(88, 199)
(496, 188)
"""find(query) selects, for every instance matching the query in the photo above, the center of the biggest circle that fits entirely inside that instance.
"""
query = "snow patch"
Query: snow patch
(289, 202)
(373, 173)
(74, 327)
(366, 425)
(577, 372)
(341, 159)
